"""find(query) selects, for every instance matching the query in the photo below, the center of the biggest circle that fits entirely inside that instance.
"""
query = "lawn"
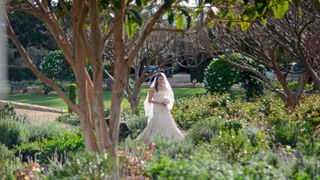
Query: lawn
(56, 102)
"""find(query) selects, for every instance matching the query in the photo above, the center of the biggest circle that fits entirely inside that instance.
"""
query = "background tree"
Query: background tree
(275, 45)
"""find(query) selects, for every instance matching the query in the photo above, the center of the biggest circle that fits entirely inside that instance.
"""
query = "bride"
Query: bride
(157, 106)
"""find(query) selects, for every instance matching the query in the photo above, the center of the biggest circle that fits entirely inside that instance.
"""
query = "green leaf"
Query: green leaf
(208, 1)
(170, 17)
(245, 25)
(180, 22)
(188, 17)
(281, 9)
(136, 17)
(131, 27)
(211, 24)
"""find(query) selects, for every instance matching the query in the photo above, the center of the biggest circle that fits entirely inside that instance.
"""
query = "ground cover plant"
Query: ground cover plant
(225, 137)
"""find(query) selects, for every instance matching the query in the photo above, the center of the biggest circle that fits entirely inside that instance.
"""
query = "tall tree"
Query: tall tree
(274, 45)
(93, 24)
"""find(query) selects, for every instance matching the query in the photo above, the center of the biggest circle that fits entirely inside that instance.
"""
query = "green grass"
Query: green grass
(56, 102)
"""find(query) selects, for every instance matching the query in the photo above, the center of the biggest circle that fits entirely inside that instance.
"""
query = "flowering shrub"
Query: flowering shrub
(220, 76)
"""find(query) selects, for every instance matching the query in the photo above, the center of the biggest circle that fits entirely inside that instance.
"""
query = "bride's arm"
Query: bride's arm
(150, 98)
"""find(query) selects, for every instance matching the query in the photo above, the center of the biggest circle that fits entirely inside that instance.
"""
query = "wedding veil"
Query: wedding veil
(148, 107)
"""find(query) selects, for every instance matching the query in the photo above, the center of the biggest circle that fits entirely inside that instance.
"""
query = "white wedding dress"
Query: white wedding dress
(161, 122)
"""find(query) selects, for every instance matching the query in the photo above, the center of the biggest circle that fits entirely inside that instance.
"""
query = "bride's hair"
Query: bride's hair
(156, 83)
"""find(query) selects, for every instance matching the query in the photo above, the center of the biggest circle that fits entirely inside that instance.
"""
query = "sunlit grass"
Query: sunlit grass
(55, 101)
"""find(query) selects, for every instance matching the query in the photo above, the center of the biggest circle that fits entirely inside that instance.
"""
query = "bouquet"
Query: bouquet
(166, 100)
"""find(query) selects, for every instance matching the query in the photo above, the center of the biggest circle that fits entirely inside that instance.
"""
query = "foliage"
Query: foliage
(187, 111)
(44, 131)
(52, 148)
(136, 124)
(69, 118)
(234, 147)
(253, 87)
(56, 67)
(206, 130)
(13, 132)
(171, 149)
(18, 73)
(82, 166)
(72, 95)
(8, 111)
(206, 164)
(219, 76)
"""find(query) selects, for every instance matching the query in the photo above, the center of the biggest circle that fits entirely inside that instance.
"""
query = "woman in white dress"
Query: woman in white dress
(157, 106)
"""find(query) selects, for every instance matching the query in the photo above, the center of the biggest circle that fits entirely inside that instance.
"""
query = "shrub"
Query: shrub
(82, 166)
(5, 153)
(220, 76)
(172, 149)
(235, 148)
(69, 118)
(187, 111)
(52, 148)
(13, 132)
(136, 124)
(44, 131)
(206, 130)
(285, 132)
(204, 164)
(72, 95)
(252, 86)
(8, 111)
(56, 67)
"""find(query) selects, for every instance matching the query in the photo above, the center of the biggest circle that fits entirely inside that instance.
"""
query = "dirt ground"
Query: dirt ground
(38, 117)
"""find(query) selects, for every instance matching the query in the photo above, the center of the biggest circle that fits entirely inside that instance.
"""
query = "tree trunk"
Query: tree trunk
(121, 77)
(292, 101)
(98, 114)
(134, 99)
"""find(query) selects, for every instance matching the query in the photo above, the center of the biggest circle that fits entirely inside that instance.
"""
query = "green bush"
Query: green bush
(136, 124)
(5, 153)
(72, 95)
(56, 67)
(234, 147)
(69, 118)
(172, 149)
(13, 132)
(82, 166)
(44, 131)
(187, 111)
(205, 164)
(8, 111)
(285, 132)
(220, 76)
(206, 130)
(49, 149)
(252, 86)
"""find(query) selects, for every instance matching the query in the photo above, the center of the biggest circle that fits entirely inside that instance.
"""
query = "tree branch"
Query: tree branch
(34, 69)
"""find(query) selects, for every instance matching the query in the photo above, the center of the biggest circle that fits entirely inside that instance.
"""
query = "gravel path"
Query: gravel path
(38, 117)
